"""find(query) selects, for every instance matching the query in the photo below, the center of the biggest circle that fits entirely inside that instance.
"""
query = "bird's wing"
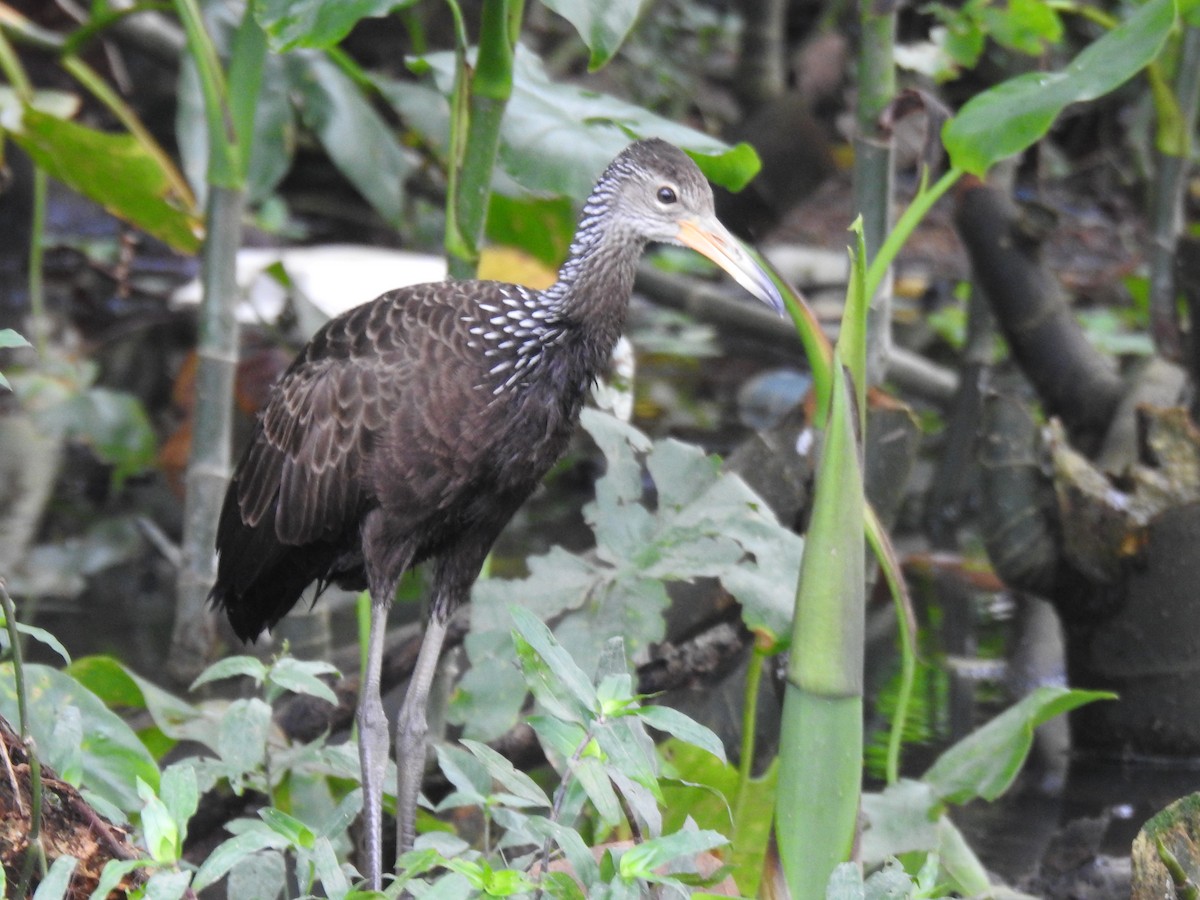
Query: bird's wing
(390, 384)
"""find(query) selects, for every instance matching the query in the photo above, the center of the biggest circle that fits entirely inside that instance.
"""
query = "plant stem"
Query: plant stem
(37, 853)
(754, 671)
(208, 464)
(883, 258)
(487, 94)
(37, 247)
(1173, 158)
(873, 164)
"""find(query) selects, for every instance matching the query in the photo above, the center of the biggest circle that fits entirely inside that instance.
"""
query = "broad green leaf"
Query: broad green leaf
(233, 851)
(542, 227)
(296, 832)
(570, 678)
(117, 686)
(472, 782)
(329, 870)
(68, 736)
(180, 794)
(114, 170)
(1011, 116)
(300, 677)
(316, 23)
(490, 695)
(58, 879)
(846, 883)
(503, 771)
(985, 762)
(158, 827)
(555, 139)
(232, 667)
(10, 338)
(115, 425)
(964, 871)
(684, 727)
(596, 783)
(641, 861)
(899, 820)
(111, 756)
(357, 139)
(166, 884)
(110, 876)
(242, 737)
(698, 786)
(603, 26)
(262, 875)
(706, 523)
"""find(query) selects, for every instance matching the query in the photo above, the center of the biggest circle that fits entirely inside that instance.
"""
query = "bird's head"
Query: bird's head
(661, 195)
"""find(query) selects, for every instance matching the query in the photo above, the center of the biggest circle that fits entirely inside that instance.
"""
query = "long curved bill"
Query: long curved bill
(712, 239)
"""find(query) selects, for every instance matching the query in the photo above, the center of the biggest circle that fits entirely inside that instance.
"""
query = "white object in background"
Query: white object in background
(326, 280)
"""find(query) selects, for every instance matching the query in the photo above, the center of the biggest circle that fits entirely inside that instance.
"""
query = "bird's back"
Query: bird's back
(440, 405)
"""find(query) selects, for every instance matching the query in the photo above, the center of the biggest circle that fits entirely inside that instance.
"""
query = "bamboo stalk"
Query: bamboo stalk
(873, 173)
(489, 88)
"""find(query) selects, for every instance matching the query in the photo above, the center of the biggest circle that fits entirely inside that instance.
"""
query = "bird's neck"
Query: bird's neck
(595, 283)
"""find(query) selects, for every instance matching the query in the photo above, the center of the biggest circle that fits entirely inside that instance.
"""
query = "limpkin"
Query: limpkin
(412, 427)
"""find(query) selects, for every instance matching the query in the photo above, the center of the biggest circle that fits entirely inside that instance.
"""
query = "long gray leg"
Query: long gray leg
(411, 729)
(373, 747)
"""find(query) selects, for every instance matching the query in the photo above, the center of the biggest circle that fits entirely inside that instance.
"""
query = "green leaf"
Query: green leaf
(242, 737)
(292, 829)
(301, 677)
(232, 667)
(675, 723)
(232, 852)
(964, 870)
(641, 861)
(116, 427)
(111, 756)
(158, 827)
(846, 883)
(110, 876)
(555, 139)
(503, 771)
(41, 635)
(696, 785)
(316, 23)
(58, 879)
(899, 820)
(180, 794)
(262, 875)
(10, 338)
(603, 26)
(356, 138)
(1006, 119)
(985, 762)
(560, 678)
(114, 170)
(117, 686)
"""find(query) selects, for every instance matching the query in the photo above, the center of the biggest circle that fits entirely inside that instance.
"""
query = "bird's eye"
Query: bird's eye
(666, 195)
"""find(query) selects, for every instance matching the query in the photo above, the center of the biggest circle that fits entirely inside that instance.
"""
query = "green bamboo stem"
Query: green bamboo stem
(873, 170)
(223, 162)
(488, 89)
(209, 463)
(1173, 164)
(820, 772)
